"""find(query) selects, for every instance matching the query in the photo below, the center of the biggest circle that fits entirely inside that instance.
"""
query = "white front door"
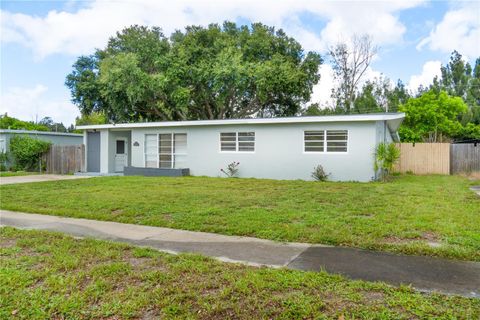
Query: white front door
(121, 155)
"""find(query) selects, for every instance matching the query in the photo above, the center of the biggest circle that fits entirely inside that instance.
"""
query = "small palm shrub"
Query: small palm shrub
(319, 174)
(386, 155)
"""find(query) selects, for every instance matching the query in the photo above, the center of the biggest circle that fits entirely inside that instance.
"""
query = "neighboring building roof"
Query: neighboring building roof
(394, 118)
(33, 132)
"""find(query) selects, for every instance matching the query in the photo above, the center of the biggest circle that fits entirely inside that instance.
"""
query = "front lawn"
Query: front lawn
(49, 276)
(428, 215)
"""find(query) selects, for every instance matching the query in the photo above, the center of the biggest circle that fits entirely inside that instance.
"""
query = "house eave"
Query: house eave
(255, 121)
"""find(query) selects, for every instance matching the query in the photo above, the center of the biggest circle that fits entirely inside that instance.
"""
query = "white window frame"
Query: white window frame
(157, 155)
(237, 149)
(325, 142)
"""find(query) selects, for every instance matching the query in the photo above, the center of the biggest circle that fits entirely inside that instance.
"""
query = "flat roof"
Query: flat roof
(34, 132)
(334, 118)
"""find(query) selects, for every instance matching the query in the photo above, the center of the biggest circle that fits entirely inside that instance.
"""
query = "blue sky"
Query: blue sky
(40, 40)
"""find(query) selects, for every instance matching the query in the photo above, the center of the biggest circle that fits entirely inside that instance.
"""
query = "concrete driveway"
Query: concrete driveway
(38, 178)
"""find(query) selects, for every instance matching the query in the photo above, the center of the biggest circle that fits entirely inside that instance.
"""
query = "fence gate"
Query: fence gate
(65, 159)
(465, 158)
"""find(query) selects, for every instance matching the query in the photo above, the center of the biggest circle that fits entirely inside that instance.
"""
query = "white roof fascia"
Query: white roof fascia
(35, 132)
(254, 121)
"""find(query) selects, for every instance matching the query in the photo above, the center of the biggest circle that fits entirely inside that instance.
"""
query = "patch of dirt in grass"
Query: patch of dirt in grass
(432, 239)
(116, 212)
(396, 240)
(149, 315)
(7, 243)
(373, 296)
(167, 217)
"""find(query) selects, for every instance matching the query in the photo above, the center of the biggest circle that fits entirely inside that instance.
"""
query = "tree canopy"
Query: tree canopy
(216, 72)
(432, 117)
(7, 122)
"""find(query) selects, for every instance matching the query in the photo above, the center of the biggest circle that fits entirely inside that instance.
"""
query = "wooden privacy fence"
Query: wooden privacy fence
(424, 158)
(65, 159)
(438, 158)
(465, 158)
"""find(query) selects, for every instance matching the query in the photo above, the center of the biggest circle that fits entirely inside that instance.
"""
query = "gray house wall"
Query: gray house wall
(279, 150)
(53, 137)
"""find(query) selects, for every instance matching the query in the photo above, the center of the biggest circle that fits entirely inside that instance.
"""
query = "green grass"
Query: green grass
(16, 173)
(404, 215)
(46, 275)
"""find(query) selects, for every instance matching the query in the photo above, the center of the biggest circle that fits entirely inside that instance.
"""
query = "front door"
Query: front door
(121, 155)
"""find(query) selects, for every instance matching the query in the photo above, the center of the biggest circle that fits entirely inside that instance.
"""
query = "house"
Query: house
(276, 148)
(58, 138)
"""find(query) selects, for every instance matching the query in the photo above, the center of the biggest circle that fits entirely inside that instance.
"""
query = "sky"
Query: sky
(40, 40)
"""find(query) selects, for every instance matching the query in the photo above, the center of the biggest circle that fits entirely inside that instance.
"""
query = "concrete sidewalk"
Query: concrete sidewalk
(38, 178)
(423, 273)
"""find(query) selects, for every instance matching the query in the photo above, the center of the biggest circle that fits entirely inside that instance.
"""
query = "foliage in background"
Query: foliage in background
(386, 155)
(319, 174)
(458, 79)
(27, 152)
(91, 118)
(217, 72)
(432, 117)
(53, 126)
(3, 161)
(7, 122)
(232, 169)
(349, 63)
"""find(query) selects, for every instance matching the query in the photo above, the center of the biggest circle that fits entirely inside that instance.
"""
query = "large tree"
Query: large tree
(459, 79)
(350, 61)
(432, 117)
(202, 73)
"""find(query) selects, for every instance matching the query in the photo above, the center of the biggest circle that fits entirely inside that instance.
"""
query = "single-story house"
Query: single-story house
(58, 138)
(276, 148)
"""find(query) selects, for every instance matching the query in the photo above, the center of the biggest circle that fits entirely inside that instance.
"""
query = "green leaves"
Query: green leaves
(432, 117)
(27, 151)
(386, 155)
(202, 73)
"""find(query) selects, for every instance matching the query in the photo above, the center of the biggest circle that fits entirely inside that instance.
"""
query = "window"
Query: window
(326, 141)
(337, 140)
(165, 150)
(314, 141)
(120, 147)
(237, 141)
(151, 151)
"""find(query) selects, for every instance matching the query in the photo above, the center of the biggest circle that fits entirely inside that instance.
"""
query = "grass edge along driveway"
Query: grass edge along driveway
(423, 215)
(48, 275)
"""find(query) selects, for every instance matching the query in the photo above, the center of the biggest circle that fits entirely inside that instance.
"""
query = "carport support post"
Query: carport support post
(104, 150)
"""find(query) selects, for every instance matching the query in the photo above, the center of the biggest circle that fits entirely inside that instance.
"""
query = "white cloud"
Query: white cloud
(429, 71)
(459, 30)
(323, 90)
(32, 103)
(81, 31)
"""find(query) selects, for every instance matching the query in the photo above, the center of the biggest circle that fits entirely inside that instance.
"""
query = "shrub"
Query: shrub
(27, 152)
(232, 169)
(386, 155)
(3, 161)
(319, 173)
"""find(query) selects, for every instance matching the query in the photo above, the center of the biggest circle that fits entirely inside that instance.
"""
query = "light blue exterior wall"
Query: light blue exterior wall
(67, 139)
(279, 150)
